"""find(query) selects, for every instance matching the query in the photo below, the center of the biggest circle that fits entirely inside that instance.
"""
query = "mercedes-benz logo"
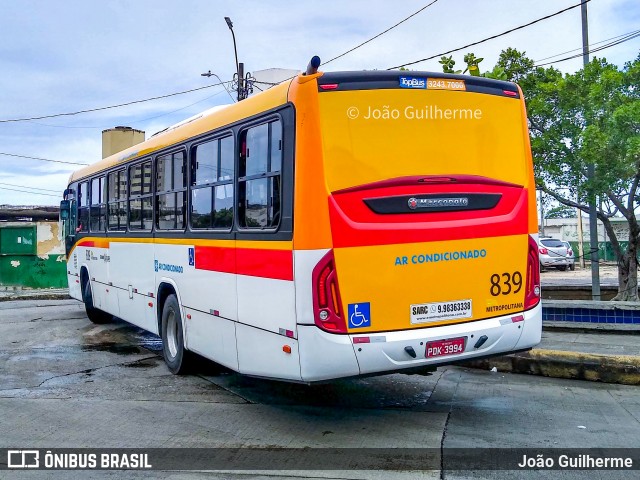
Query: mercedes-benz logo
(413, 203)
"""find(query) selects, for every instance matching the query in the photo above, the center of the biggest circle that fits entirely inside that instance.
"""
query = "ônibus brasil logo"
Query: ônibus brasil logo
(413, 82)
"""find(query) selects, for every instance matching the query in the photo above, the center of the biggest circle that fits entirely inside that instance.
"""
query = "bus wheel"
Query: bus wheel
(94, 314)
(176, 357)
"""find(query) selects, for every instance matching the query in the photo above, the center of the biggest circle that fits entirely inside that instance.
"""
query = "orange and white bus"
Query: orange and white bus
(338, 224)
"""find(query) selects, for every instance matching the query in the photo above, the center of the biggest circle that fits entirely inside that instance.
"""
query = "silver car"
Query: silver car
(555, 253)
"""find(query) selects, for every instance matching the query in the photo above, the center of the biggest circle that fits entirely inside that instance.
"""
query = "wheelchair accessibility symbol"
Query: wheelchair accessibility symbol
(359, 315)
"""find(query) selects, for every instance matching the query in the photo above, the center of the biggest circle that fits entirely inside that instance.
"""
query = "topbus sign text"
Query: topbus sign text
(413, 82)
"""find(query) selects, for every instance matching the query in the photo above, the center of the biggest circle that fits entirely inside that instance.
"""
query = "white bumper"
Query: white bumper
(324, 356)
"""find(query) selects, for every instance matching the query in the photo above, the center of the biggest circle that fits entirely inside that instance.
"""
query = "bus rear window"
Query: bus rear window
(372, 135)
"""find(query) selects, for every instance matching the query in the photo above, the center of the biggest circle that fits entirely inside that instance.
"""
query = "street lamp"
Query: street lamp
(209, 74)
(239, 66)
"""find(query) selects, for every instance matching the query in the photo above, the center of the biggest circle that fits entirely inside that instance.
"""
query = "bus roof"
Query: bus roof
(389, 79)
(191, 127)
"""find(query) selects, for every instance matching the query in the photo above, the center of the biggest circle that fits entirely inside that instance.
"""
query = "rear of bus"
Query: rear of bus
(415, 222)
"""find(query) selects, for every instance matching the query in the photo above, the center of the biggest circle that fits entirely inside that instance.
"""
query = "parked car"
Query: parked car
(555, 253)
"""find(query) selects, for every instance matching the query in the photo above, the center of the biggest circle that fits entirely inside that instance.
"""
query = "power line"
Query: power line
(594, 43)
(31, 188)
(41, 159)
(602, 47)
(132, 121)
(32, 193)
(381, 33)
(110, 106)
(546, 17)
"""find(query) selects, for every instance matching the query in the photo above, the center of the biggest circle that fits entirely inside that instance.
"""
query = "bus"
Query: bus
(338, 224)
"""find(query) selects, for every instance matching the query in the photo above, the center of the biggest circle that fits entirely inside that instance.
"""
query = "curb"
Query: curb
(622, 369)
(35, 296)
(604, 328)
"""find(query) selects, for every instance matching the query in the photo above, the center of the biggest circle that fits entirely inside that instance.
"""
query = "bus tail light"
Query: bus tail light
(327, 312)
(532, 293)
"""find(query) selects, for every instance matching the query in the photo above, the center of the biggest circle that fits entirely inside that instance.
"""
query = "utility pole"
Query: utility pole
(541, 215)
(241, 92)
(580, 239)
(593, 216)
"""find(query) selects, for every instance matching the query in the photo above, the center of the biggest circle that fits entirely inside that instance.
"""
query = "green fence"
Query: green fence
(605, 250)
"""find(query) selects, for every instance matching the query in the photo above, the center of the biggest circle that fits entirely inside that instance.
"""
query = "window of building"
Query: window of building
(140, 197)
(212, 198)
(117, 200)
(83, 207)
(259, 182)
(171, 183)
(98, 212)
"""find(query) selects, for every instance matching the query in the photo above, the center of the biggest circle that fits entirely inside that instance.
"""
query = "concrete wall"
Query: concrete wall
(42, 265)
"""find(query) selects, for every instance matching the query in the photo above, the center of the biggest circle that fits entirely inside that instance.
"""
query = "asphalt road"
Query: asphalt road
(65, 382)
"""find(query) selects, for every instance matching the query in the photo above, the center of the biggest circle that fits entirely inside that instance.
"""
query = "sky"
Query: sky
(70, 55)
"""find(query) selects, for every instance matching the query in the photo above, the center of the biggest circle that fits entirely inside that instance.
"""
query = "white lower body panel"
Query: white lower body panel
(324, 356)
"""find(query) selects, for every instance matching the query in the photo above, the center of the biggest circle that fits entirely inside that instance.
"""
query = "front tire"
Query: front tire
(95, 315)
(178, 359)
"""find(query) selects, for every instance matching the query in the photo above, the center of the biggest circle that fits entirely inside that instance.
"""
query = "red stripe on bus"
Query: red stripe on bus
(428, 180)
(364, 228)
(275, 264)
(217, 259)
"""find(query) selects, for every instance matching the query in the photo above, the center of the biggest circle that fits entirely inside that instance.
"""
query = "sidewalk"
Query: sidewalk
(604, 353)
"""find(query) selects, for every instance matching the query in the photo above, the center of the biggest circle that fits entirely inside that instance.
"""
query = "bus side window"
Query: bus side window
(260, 170)
(170, 191)
(98, 211)
(117, 200)
(212, 179)
(140, 197)
(83, 208)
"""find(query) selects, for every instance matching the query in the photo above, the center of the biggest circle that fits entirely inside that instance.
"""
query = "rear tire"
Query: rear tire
(95, 315)
(572, 267)
(178, 360)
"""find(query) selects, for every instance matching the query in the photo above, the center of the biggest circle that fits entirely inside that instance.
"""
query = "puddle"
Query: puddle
(152, 362)
(116, 348)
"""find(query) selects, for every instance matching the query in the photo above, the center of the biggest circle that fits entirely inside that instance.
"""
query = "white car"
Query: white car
(555, 253)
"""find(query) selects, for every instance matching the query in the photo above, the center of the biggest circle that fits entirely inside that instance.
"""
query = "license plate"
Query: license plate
(441, 348)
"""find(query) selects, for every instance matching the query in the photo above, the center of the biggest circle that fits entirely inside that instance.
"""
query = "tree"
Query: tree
(561, 211)
(592, 116)
(473, 67)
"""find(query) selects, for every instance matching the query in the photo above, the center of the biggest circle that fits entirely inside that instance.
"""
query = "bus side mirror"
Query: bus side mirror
(65, 209)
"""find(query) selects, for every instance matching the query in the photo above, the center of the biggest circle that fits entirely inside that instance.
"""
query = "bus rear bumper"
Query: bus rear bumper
(384, 352)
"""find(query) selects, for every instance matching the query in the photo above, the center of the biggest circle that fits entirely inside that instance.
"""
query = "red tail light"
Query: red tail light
(327, 313)
(543, 250)
(570, 252)
(532, 293)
